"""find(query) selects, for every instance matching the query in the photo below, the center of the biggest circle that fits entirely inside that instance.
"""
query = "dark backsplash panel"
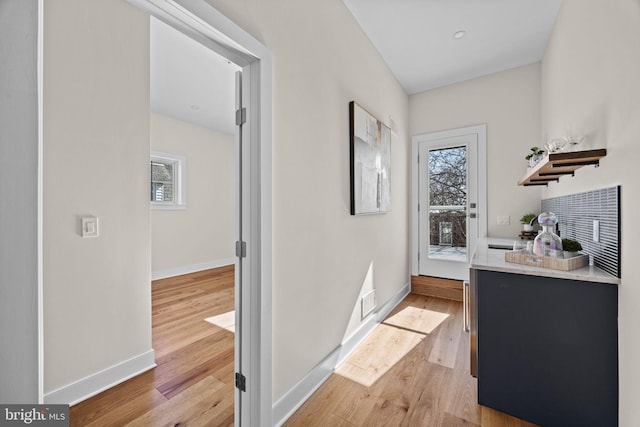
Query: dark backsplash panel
(576, 213)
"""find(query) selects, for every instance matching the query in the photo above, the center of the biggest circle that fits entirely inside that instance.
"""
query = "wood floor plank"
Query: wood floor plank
(202, 361)
(450, 420)
(445, 348)
(325, 404)
(188, 405)
(491, 417)
(462, 394)
(168, 342)
(389, 345)
(429, 382)
(356, 404)
(132, 398)
(397, 399)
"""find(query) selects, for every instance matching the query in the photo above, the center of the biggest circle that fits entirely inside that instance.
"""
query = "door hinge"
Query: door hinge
(241, 382)
(241, 116)
(241, 249)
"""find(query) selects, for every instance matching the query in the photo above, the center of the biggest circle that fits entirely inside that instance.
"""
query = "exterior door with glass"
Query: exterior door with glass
(448, 204)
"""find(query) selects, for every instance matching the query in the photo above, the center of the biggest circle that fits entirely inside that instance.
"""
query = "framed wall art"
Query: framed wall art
(370, 142)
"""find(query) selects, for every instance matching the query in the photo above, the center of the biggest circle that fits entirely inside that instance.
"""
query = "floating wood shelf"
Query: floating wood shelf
(556, 165)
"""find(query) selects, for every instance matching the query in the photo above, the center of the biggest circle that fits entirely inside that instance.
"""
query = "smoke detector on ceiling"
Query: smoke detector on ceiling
(459, 34)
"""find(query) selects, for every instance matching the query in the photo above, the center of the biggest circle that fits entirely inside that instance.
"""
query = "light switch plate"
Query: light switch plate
(504, 220)
(89, 226)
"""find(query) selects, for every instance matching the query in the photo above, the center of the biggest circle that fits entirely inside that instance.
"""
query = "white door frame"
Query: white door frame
(200, 21)
(481, 132)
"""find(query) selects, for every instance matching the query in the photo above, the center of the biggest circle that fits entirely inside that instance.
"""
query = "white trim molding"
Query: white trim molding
(40, 203)
(96, 383)
(187, 269)
(294, 398)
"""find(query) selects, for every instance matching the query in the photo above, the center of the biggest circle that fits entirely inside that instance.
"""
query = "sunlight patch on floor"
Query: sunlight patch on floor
(225, 321)
(417, 319)
(389, 343)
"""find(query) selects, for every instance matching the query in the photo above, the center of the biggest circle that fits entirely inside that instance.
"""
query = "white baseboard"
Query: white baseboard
(90, 386)
(187, 269)
(294, 398)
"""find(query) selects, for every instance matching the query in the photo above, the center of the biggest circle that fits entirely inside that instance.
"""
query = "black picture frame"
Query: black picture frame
(370, 162)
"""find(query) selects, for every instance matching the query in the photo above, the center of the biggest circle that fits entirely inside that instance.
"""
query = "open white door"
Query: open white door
(242, 270)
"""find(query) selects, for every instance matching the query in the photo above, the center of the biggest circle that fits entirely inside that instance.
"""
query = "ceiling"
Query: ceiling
(190, 82)
(414, 37)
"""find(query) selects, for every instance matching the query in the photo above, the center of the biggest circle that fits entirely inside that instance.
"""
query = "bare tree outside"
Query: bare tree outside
(448, 197)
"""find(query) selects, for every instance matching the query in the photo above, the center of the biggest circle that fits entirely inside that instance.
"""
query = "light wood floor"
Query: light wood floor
(193, 384)
(411, 371)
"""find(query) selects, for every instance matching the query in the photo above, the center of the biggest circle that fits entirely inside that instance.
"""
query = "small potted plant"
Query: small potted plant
(534, 156)
(526, 221)
(571, 248)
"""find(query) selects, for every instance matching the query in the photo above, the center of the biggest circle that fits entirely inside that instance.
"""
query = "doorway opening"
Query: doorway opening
(449, 201)
(193, 221)
(252, 355)
(193, 155)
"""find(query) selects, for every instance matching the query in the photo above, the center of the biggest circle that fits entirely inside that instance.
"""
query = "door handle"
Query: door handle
(465, 306)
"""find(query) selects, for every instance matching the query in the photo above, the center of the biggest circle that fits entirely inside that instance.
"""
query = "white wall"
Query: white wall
(202, 234)
(590, 87)
(509, 103)
(97, 306)
(322, 254)
(19, 366)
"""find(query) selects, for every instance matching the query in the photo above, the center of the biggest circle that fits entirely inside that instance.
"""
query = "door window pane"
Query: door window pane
(448, 203)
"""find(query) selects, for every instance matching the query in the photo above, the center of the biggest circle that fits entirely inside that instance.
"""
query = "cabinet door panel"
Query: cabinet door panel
(548, 349)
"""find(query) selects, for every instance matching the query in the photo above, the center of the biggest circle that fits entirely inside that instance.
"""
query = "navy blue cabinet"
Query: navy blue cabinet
(547, 348)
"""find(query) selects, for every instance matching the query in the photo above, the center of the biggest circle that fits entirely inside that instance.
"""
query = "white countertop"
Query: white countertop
(493, 260)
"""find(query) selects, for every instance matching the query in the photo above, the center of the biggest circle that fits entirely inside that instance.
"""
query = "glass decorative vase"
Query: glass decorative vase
(547, 243)
(534, 160)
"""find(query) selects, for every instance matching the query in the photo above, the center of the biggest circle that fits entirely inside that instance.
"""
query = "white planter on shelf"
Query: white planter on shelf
(527, 227)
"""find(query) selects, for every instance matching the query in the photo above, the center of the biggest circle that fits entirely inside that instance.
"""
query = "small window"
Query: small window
(167, 181)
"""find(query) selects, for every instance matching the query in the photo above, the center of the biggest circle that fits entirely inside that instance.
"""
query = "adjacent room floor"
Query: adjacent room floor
(193, 383)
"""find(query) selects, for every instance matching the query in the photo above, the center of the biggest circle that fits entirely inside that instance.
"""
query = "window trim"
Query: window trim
(179, 175)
